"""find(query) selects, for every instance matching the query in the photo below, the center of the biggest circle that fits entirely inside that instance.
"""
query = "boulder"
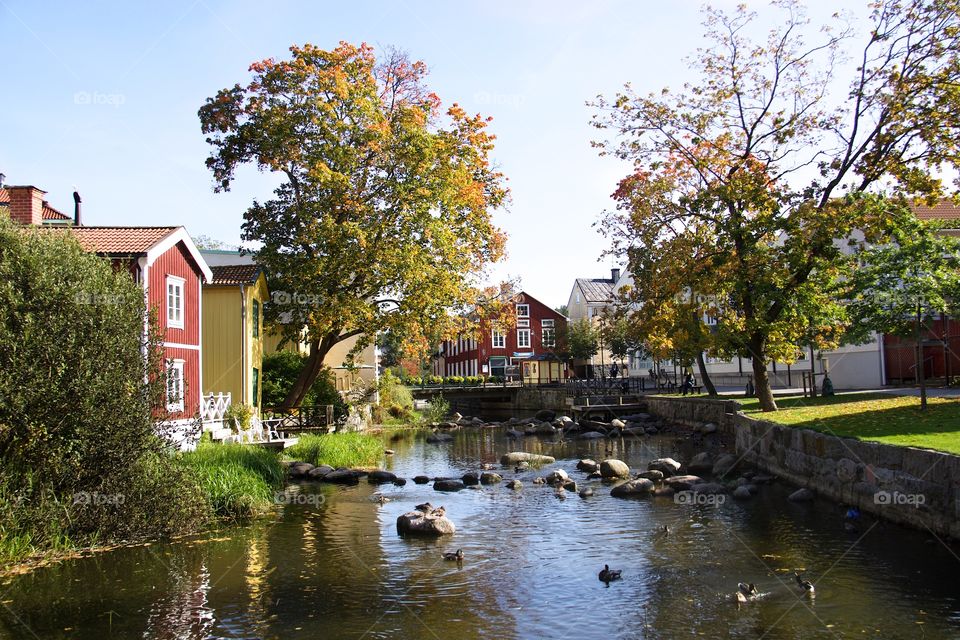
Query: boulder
(682, 483)
(664, 491)
(343, 476)
(439, 437)
(317, 473)
(846, 470)
(300, 469)
(421, 479)
(516, 485)
(637, 487)
(448, 485)
(488, 477)
(701, 463)
(633, 431)
(531, 430)
(613, 468)
(588, 465)
(708, 428)
(557, 476)
(571, 486)
(742, 493)
(801, 495)
(668, 466)
(655, 476)
(381, 476)
(400, 482)
(512, 458)
(419, 523)
(470, 479)
(545, 429)
(546, 415)
(762, 478)
(586, 492)
(724, 464)
(595, 475)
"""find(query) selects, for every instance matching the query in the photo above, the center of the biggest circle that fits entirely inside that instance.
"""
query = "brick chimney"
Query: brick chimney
(26, 205)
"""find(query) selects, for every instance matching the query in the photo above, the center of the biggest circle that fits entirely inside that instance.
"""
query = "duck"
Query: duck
(426, 507)
(382, 499)
(741, 599)
(665, 530)
(748, 590)
(806, 585)
(609, 575)
(439, 512)
(539, 481)
(454, 555)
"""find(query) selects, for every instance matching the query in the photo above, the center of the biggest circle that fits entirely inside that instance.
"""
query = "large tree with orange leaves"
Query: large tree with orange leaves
(749, 184)
(383, 217)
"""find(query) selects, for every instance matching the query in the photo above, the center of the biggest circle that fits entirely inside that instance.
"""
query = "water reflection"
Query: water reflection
(339, 570)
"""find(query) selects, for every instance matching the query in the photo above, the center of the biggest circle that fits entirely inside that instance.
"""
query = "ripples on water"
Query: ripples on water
(340, 571)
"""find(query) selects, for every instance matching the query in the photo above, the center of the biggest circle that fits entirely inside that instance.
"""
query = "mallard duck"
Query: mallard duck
(608, 574)
(741, 599)
(539, 481)
(748, 590)
(456, 556)
(426, 507)
(806, 585)
(439, 512)
(382, 499)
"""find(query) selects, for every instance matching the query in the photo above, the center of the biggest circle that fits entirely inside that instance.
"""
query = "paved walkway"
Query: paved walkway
(932, 392)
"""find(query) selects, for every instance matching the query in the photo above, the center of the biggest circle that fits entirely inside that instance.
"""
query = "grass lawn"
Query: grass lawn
(871, 416)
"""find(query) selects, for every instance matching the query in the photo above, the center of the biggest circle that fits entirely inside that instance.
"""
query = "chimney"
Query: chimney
(26, 205)
(615, 275)
(76, 207)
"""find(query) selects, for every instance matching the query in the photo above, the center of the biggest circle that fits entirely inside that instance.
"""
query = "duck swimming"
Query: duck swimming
(748, 590)
(426, 507)
(456, 556)
(608, 574)
(806, 585)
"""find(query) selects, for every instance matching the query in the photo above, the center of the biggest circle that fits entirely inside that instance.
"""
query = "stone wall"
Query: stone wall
(918, 487)
(694, 411)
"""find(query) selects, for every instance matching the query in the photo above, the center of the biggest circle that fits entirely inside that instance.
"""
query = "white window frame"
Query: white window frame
(521, 333)
(523, 323)
(548, 337)
(525, 313)
(176, 365)
(498, 339)
(180, 284)
(546, 322)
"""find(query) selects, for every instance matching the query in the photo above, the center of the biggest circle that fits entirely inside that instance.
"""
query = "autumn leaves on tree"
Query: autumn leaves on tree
(382, 220)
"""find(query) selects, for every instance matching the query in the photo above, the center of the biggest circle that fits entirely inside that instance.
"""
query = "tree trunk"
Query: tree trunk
(704, 376)
(308, 375)
(761, 381)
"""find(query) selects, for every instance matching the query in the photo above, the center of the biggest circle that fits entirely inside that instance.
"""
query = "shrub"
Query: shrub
(436, 380)
(280, 371)
(437, 410)
(337, 449)
(238, 416)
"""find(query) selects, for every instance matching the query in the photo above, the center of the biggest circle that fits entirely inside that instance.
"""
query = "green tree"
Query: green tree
(382, 220)
(723, 168)
(581, 340)
(281, 371)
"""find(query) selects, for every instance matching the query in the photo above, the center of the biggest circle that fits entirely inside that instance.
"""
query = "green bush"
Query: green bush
(238, 416)
(337, 449)
(437, 410)
(436, 379)
(237, 481)
(280, 371)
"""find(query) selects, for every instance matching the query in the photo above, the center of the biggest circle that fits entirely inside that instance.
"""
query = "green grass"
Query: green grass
(238, 481)
(337, 449)
(877, 417)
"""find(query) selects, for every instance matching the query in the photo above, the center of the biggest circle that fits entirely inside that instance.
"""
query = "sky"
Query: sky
(103, 97)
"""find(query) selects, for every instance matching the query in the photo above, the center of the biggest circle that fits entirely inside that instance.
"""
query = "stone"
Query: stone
(801, 495)
(592, 435)
(655, 476)
(708, 428)
(317, 473)
(381, 476)
(588, 465)
(617, 424)
(513, 433)
(470, 479)
(545, 415)
(419, 523)
(531, 430)
(586, 492)
(742, 493)
(448, 485)
(637, 487)
(612, 468)
(388, 452)
(400, 482)
(762, 478)
(664, 491)
(545, 429)
(701, 463)
(594, 476)
(421, 479)
(846, 470)
(724, 464)
(343, 476)
(668, 466)
(512, 458)
(562, 422)
(557, 476)
(514, 484)
(488, 477)
(570, 486)
(594, 425)
(300, 469)
(436, 438)
(633, 431)
(682, 483)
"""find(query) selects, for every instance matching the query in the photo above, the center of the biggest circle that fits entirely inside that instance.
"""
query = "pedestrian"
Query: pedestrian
(614, 370)
(687, 384)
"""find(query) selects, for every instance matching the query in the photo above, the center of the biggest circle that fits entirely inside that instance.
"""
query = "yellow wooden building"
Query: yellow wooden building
(233, 332)
(345, 377)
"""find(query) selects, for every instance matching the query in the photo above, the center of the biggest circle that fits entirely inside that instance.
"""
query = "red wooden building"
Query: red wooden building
(527, 350)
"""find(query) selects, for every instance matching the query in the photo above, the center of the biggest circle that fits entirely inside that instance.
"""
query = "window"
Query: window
(523, 323)
(175, 302)
(578, 297)
(499, 339)
(523, 338)
(256, 386)
(547, 322)
(498, 366)
(548, 339)
(709, 319)
(175, 385)
(523, 311)
(256, 322)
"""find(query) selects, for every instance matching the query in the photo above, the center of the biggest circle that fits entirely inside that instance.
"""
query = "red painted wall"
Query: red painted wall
(900, 353)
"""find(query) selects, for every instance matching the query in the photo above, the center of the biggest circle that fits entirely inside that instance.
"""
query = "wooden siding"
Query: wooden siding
(191, 371)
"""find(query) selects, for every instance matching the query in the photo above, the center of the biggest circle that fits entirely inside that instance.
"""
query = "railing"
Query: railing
(215, 407)
(314, 417)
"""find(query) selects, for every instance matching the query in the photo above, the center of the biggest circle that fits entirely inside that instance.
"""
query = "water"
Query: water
(339, 570)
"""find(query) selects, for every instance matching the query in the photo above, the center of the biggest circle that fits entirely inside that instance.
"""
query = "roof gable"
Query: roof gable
(596, 289)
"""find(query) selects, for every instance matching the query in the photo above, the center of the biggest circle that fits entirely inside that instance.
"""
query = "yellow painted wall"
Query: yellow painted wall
(366, 362)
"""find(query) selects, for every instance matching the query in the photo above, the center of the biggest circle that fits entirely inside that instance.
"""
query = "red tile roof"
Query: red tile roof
(946, 210)
(235, 274)
(119, 240)
(48, 213)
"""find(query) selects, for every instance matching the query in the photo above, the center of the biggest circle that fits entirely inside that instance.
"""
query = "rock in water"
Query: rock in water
(470, 479)
(488, 477)
(557, 476)
(682, 483)
(668, 466)
(510, 459)
(449, 485)
(381, 476)
(586, 492)
(638, 487)
(613, 468)
(343, 476)
(516, 485)
(588, 465)
(317, 473)
(724, 464)
(299, 469)
(419, 523)
(421, 479)
(701, 463)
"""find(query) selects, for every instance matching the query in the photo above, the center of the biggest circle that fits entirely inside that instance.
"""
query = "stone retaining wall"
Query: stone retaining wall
(918, 487)
(694, 411)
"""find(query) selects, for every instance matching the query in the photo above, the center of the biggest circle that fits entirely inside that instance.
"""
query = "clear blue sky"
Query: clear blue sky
(104, 96)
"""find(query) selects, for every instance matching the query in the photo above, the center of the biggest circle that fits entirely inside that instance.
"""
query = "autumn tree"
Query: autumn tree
(756, 163)
(382, 220)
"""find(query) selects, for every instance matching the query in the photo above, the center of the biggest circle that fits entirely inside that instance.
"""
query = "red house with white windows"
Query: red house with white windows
(525, 351)
(168, 267)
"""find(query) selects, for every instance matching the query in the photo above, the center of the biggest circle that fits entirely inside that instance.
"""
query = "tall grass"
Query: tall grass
(337, 449)
(238, 481)
(31, 529)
